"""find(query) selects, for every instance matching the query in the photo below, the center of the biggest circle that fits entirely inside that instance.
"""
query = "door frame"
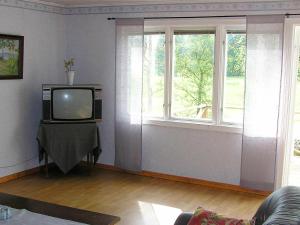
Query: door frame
(287, 101)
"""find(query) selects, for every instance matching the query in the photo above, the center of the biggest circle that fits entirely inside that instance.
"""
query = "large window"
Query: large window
(195, 73)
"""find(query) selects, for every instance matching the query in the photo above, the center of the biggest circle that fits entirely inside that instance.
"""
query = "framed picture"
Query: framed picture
(11, 56)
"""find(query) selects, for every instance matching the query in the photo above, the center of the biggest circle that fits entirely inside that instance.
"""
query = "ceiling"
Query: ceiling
(141, 2)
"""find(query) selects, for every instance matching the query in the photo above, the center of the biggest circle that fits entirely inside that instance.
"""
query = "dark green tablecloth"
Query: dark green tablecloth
(67, 144)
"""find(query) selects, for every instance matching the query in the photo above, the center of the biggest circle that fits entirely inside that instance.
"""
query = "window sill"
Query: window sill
(194, 125)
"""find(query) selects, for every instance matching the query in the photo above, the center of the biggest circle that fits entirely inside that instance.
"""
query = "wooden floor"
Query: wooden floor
(137, 200)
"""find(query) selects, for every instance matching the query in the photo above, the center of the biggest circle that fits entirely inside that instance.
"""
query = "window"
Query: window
(195, 72)
(234, 79)
(154, 74)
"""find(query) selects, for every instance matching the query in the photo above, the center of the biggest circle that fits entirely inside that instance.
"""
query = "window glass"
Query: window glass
(234, 79)
(154, 73)
(193, 69)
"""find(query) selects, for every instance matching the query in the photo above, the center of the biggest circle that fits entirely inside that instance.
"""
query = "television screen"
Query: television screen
(72, 104)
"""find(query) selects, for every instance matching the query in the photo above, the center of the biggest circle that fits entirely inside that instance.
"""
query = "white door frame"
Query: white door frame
(287, 99)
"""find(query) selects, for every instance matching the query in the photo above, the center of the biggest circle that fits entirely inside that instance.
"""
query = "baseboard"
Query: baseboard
(18, 175)
(189, 180)
(206, 183)
(108, 167)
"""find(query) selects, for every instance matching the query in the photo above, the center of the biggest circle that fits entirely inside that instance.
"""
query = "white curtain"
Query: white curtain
(129, 74)
(262, 101)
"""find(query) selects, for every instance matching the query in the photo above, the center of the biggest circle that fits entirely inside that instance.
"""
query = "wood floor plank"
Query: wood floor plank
(136, 199)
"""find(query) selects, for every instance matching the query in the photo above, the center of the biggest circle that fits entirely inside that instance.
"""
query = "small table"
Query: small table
(68, 143)
(58, 211)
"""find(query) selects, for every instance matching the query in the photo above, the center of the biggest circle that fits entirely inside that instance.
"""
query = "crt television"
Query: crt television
(77, 103)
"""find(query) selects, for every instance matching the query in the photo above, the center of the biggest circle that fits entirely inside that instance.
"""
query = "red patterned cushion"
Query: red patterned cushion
(204, 217)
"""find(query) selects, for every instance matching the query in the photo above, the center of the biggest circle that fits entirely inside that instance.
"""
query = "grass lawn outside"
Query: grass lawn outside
(233, 100)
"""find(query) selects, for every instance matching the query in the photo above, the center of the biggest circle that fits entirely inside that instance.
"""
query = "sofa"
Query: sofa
(282, 207)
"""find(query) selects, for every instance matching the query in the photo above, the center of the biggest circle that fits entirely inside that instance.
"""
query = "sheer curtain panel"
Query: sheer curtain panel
(129, 74)
(262, 101)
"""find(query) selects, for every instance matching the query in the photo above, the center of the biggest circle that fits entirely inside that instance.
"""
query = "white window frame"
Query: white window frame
(220, 26)
(170, 84)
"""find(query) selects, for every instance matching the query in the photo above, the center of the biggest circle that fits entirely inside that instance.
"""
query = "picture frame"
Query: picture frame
(11, 56)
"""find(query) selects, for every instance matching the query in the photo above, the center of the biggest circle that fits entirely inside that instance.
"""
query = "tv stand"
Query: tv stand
(68, 143)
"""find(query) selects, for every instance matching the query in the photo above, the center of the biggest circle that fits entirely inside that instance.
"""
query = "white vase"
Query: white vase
(70, 77)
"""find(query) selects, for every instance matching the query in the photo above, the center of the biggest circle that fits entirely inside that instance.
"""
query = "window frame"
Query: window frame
(220, 26)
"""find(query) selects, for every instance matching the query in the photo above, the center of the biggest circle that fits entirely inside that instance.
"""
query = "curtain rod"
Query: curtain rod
(292, 14)
(194, 17)
(179, 17)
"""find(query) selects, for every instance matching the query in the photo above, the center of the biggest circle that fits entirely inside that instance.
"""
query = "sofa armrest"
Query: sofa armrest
(281, 207)
(183, 219)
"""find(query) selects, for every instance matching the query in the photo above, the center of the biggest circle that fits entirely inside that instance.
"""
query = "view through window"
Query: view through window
(193, 70)
(234, 79)
(154, 74)
(195, 74)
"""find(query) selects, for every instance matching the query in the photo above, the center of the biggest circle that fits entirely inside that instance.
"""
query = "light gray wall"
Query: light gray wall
(20, 100)
(202, 154)
(209, 155)
(91, 43)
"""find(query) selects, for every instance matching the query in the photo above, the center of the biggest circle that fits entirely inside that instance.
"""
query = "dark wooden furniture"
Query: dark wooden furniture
(68, 144)
(63, 212)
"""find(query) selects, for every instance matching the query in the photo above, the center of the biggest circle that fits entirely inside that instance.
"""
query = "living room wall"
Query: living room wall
(87, 35)
(20, 110)
(202, 154)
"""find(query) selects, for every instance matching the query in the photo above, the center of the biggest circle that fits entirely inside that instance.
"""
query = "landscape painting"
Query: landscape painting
(11, 56)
